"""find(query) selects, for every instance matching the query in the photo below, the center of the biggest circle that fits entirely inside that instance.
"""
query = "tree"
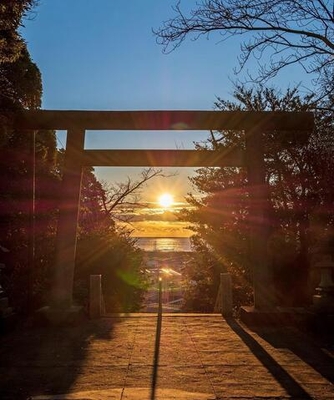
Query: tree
(11, 14)
(93, 217)
(104, 249)
(289, 32)
(31, 170)
(219, 219)
(301, 197)
(202, 273)
(127, 193)
(20, 83)
(114, 255)
(28, 175)
(24, 237)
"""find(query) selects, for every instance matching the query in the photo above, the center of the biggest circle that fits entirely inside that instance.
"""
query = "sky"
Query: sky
(102, 55)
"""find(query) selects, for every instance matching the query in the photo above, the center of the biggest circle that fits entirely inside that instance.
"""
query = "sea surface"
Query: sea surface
(181, 244)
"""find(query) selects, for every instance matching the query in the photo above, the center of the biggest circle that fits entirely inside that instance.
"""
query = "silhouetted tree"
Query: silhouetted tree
(115, 256)
(104, 248)
(20, 169)
(127, 193)
(30, 183)
(301, 198)
(28, 167)
(20, 83)
(12, 13)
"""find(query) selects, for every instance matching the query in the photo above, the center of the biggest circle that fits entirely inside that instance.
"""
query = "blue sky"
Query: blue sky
(102, 55)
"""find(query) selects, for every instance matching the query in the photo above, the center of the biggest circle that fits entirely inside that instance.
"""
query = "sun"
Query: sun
(166, 200)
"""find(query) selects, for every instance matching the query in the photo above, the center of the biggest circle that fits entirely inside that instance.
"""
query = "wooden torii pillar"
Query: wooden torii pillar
(76, 122)
(259, 222)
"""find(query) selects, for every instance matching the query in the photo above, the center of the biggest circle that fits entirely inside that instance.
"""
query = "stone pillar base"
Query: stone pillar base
(73, 315)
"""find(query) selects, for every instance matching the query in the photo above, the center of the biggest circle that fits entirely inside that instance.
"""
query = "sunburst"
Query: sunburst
(166, 200)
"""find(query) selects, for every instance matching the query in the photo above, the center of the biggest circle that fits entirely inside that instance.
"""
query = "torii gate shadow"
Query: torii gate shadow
(297, 343)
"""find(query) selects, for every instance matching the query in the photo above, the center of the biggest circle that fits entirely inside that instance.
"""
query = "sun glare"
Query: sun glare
(166, 200)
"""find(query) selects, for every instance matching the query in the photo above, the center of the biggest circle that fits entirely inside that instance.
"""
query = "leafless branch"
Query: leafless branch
(292, 32)
(128, 192)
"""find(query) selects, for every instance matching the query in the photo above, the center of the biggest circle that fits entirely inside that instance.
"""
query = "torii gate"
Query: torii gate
(77, 122)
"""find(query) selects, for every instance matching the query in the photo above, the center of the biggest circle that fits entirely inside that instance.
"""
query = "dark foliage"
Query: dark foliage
(115, 257)
(298, 173)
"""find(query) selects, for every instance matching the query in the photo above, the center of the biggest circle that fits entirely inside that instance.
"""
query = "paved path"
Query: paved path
(201, 357)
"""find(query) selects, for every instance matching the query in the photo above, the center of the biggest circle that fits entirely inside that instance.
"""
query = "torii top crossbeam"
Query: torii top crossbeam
(165, 120)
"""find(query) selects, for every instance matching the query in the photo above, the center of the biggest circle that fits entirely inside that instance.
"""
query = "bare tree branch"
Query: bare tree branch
(128, 192)
(292, 32)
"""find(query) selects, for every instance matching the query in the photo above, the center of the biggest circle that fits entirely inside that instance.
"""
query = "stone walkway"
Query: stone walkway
(201, 357)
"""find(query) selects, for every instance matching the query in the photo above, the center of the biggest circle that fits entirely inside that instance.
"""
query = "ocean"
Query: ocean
(167, 244)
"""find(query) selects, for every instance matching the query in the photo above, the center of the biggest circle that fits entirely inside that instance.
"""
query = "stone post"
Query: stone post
(324, 299)
(95, 296)
(226, 293)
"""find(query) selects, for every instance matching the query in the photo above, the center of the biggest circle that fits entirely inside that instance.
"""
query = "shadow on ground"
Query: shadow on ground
(47, 359)
(295, 341)
(317, 353)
